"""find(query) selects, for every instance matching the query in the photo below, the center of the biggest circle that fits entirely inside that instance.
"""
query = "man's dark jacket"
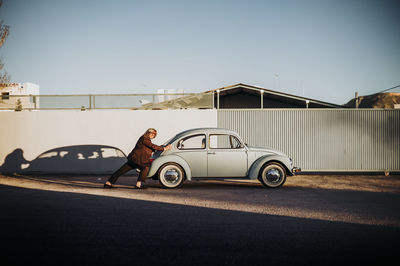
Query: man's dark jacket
(143, 149)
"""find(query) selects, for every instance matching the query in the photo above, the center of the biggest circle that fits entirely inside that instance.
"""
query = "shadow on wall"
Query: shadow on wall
(78, 159)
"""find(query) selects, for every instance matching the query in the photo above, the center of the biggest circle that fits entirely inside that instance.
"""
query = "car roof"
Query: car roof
(78, 148)
(205, 130)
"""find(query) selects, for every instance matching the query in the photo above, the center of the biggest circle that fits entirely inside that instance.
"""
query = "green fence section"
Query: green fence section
(108, 101)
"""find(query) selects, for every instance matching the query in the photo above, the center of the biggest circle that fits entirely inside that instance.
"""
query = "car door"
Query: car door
(193, 150)
(226, 156)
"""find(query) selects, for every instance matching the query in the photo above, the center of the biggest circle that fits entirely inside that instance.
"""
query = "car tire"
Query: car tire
(272, 175)
(171, 175)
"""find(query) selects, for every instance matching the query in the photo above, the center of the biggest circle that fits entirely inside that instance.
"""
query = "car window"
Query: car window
(95, 155)
(224, 142)
(111, 152)
(63, 153)
(192, 142)
(49, 154)
(235, 143)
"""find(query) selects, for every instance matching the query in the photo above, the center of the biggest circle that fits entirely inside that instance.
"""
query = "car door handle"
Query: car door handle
(211, 153)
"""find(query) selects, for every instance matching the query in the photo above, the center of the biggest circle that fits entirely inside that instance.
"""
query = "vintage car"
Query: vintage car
(205, 153)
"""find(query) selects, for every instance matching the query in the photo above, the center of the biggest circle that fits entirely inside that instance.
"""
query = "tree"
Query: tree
(4, 30)
(4, 77)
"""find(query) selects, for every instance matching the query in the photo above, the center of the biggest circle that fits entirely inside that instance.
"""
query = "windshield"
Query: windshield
(158, 153)
(170, 140)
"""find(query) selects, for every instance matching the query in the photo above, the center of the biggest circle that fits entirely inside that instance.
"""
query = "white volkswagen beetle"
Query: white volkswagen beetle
(218, 153)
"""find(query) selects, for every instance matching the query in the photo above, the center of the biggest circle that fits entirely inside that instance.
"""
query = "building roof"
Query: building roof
(257, 90)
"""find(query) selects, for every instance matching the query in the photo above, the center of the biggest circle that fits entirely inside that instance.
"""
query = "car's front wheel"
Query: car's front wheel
(272, 175)
(171, 175)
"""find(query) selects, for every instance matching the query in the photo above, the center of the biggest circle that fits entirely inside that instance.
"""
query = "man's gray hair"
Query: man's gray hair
(150, 130)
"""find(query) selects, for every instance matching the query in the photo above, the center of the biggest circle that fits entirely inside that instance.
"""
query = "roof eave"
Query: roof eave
(255, 88)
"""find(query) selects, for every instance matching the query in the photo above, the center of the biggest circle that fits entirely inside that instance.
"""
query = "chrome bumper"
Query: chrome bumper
(296, 170)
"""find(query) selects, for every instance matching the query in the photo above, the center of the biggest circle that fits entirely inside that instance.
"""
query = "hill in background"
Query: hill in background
(380, 100)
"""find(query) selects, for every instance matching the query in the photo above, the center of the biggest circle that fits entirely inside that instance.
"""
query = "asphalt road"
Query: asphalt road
(325, 221)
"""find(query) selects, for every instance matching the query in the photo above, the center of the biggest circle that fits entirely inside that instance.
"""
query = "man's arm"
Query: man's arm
(147, 142)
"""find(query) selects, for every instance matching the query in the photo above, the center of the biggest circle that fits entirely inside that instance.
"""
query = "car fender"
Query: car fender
(258, 164)
(172, 158)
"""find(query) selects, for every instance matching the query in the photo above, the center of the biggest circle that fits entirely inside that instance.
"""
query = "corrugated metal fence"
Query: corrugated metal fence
(323, 139)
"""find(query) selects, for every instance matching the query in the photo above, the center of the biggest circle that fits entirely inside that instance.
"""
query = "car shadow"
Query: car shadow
(77, 159)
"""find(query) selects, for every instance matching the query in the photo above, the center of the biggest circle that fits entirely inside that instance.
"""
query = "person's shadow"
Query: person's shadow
(13, 162)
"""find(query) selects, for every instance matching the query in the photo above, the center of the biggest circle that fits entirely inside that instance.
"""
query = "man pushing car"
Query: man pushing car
(139, 158)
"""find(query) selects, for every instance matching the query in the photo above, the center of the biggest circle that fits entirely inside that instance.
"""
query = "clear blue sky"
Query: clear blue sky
(324, 50)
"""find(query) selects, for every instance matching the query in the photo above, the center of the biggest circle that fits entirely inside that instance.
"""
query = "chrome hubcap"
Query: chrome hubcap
(273, 175)
(171, 175)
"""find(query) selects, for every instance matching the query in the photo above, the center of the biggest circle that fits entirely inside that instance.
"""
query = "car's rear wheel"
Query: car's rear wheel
(171, 175)
(272, 175)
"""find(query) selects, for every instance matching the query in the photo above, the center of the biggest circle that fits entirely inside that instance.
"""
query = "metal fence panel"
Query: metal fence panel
(108, 101)
(323, 139)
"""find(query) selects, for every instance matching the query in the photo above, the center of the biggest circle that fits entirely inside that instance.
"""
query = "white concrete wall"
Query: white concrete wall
(35, 132)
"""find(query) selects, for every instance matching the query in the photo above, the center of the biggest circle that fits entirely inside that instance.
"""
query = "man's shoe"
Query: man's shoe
(141, 187)
(108, 186)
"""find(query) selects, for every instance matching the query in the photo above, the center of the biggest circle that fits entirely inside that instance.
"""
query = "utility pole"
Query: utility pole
(218, 91)
(356, 100)
(262, 98)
